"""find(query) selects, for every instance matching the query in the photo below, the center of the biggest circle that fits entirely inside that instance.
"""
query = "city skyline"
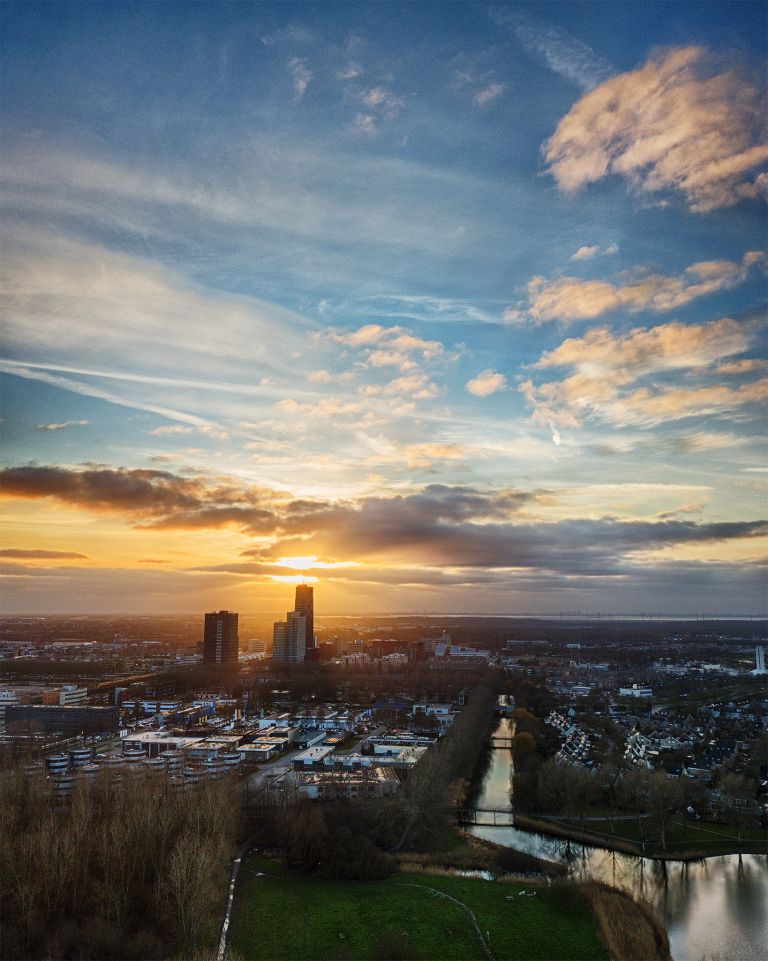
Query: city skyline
(434, 311)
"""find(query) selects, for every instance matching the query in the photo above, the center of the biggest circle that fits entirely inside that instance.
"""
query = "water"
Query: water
(715, 909)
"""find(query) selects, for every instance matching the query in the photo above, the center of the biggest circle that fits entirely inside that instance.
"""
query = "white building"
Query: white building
(759, 670)
(635, 691)
(72, 694)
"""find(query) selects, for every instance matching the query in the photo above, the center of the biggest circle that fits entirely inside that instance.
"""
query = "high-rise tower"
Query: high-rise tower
(759, 670)
(220, 640)
(305, 604)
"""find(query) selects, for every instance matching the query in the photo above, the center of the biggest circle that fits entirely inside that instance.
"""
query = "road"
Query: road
(271, 770)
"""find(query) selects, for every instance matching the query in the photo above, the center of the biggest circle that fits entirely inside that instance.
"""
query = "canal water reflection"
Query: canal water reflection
(715, 909)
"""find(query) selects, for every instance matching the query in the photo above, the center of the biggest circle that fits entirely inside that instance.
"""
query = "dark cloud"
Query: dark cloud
(433, 527)
(152, 498)
(21, 554)
(463, 530)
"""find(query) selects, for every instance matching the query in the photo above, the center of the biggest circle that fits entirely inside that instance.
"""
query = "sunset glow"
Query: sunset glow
(436, 312)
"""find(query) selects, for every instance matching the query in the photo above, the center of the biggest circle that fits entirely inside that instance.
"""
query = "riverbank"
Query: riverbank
(629, 929)
(697, 842)
(471, 853)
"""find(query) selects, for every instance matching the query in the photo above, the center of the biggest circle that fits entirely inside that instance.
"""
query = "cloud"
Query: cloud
(588, 252)
(301, 75)
(17, 553)
(350, 72)
(486, 383)
(64, 425)
(705, 587)
(386, 346)
(380, 106)
(739, 367)
(488, 94)
(414, 456)
(619, 379)
(462, 533)
(557, 49)
(684, 122)
(365, 123)
(150, 497)
(694, 442)
(466, 528)
(171, 430)
(570, 299)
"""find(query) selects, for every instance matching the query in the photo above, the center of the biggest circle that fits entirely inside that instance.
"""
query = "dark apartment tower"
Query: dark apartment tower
(220, 641)
(305, 605)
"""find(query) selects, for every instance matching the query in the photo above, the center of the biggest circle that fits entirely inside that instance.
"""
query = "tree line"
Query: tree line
(120, 870)
(543, 786)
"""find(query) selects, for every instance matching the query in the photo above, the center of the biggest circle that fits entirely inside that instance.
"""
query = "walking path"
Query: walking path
(442, 894)
(239, 855)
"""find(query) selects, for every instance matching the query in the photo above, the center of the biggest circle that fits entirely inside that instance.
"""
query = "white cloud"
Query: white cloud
(488, 94)
(365, 123)
(587, 252)
(350, 72)
(683, 122)
(557, 49)
(301, 75)
(486, 383)
(171, 430)
(63, 425)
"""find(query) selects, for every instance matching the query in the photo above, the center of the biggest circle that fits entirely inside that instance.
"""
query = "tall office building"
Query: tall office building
(305, 604)
(289, 638)
(220, 640)
(759, 670)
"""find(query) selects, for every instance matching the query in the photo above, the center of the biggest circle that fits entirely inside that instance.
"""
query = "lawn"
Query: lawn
(286, 916)
(710, 837)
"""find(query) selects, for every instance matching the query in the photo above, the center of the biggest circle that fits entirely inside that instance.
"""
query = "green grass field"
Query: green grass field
(708, 837)
(286, 916)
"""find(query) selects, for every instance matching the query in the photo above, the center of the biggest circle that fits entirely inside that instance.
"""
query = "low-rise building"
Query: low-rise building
(330, 785)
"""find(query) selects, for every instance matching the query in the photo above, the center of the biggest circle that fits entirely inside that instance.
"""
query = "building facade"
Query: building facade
(305, 604)
(49, 719)
(220, 640)
(289, 638)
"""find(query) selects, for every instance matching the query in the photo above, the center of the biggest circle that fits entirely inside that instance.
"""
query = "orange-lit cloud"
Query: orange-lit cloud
(486, 383)
(387, 346)
(608, 370)
(17, 553)
(686, 121)
(570, 298)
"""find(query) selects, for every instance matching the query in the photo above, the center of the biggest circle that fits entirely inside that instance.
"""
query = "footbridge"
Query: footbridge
(486, 817)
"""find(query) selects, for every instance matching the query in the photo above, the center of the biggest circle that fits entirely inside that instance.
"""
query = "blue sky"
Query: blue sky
(312, 268)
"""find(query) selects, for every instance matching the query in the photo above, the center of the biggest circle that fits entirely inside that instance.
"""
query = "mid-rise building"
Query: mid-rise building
(220, 640)
(289, 638)
(72, 719)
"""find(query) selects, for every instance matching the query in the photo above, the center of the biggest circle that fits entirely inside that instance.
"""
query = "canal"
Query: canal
(715, 910)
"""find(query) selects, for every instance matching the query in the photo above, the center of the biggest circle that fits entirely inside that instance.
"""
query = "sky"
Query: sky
(451, 307)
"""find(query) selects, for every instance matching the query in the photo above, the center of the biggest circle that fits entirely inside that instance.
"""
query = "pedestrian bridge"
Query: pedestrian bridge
(501, 742)
(486, 817)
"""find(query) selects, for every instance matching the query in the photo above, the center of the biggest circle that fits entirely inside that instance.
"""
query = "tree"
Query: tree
(665, 797)
(739, 796)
